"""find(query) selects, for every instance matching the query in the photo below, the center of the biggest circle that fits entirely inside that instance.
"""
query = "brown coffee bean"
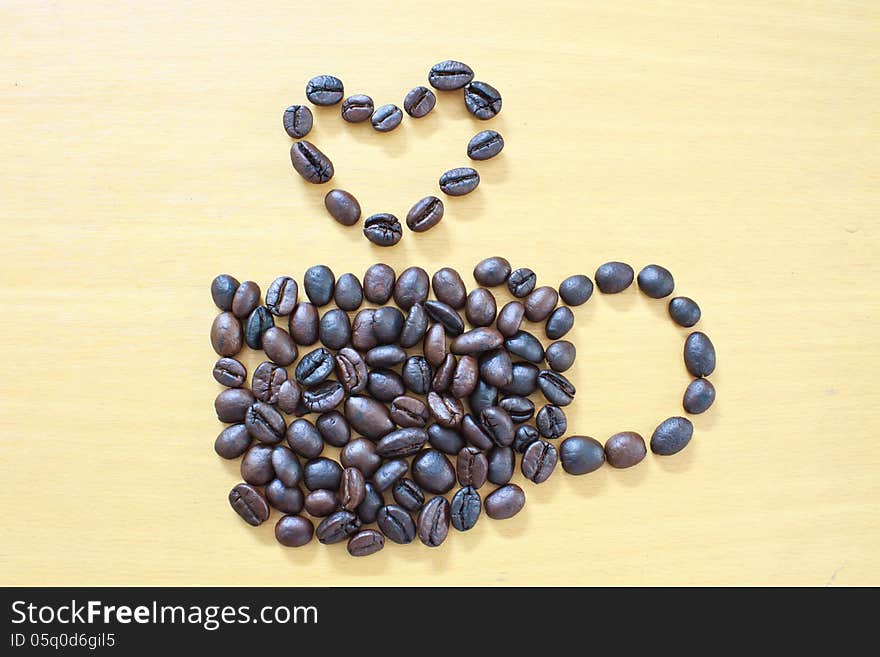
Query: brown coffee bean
(352, 489)
(477, 340)
(447, 410)
(471, 467)
(343, 207)
(303, 324)
(465, 377)
(625, 449)
(230, 373)
(510, 318)
(539, 461)
(267, 381)
(443, 375)
(289, 396)
(434, 346)
(409, 412)
(227, 337)
(365, 543)
(540, 303)
(282, 295)
(433, 523)
(232, 404)
(505, 502)
(279, 346)
(352, 370)
(249, 503)
(449, 288)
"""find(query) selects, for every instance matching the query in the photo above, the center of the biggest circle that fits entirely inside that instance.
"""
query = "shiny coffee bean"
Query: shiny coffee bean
(449, 75)
(256, 466)
(396, 523)
(478, 340)
(465, 377)
(471, 467)
(333, 428)
(246, 299)
(492, 271)
(286, 466)
(414, 327)
(409, 412)
(539, 461)
(324, 90)
(446, 315)
(559, 323)
(249, 503)
(297, 121)
(699, 396)
(334, 331)
(672, 436)
(433, 472)
(258, 322)
(279, 346)
(407, 494)
(361, 454)
(540, 303)
(581, 455)
(425, 214)
(314, 367)
(319, 283)
(337, 527)
(363, 337)
(485, 145)
(282, 295)
(365, 543)
(294, 531)
(386, 117)
(379, 283)
(324, 397)
(232, 404)
(474, 433)
(481, 307)
(510, 318)
(656, 281)
(368, 510)
(520, 409)
(625, 449)
(433, 523)
(322, 472)
(505, 502)
(443, 376)
(483, 396)
(303, 324)
(448, 441)
(576, 290)
(310, 163)
(343, 207)
(699, 354)
(357, 108)
(614, 277)
(264, 423)
(449, 288)
(388, 473)
(419, 102)
(551, 421)
(233, 441)
(524, 436)
(459, 181)
(368, 417)
(289, 396)
(285, 499)
(502, 461)
(385, 385)
(385, 356)
(348, 295)
(352, 489)
(556, 388)
(223, 289)
(230, 373)
(482, 100)
(321, 503)
(560, 355)
(496, 368)
(417, 375)
(464, 511)
(411, 287)
(497, 423)
(304, 438)
(525, 345)
(383, 229)
(434, 345)
(401, 443)
(684, 311)
(351, 370)
(446, 409)
(522, 282)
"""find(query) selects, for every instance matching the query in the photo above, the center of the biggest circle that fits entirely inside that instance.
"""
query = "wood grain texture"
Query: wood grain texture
(734, 142)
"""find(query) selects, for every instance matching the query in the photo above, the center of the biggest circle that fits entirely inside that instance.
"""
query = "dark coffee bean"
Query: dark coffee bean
(446, 409)
(443, 376)
(385, 385)
(396, 523)
(324, 90)
(409, 412)
(361, 454)
(226, 334)
(699, 354)
(256, 466)
(352, 489)
(625, 449)
(309, 162)
(581, 455)
(433, 524)
(614, 277)
(415, 326)
(576, 290)
(551, 421)
(449, 288)
(525, 345)
(357, 108)
(449, 75)
(492, 271)
(432, 471)
(425, 214)
(559, 323)
(282, 295)
(348, 295)
(481, 307)
(230, 373)
(482, 100)
(365, 543)
(363, 337)
(368, 511)
(419, 102)
(258, 322)
(368, 417)
(324, 397)
(474, 433)
(303, 324)
(334, 330)
(471, 467)
(510, 318)
(388, 473)
(223, 289)
(448, 441)
(520, 409)
(465, 377)
(556, 388)
(249, 503)
(279, 347)
(699, 396)
(343, 207)
(351, 370)
(304, 438)
(485, 145)
(672, 436)
(321, 503)
(540, 303)
(459, 181)
(560, 355)
(232, 404)
(478, 340)
(289, 396)
(539, 461)
(314, 367)
(496, 369)
(379, 283)
(264, 423)
(684, 311)
(297, 121)
(385, 356)
(505, 502)
(411, 287)
(521, 282)
(383, 229)
(417, 375)
(285, 499)
(337, 527)
(464, 511)
(386, 117)
(434, 345)
(407, 494)
(322, 472)
(502, 462)
(400, 443)
(497, 423)
(524, 436)
(446, 315)
(656, 281)
(319, 283)
(293, 531)
(233, 441)
(286, 466)
(333, 428)
(483, 396)
(246, 299)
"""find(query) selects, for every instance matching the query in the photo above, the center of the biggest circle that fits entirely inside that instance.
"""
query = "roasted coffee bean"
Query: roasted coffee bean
(505, 502)
(539, 461)
(449, 288)
(521, 282)
(520, 409)
(485, 145)
(363, 337)
(699, 396)
(492, 271)
(496, 368)
(334, 331)
(581, 455)
(351, 370)
(684, 311)
(226, 334)
(465, 377)
(625, 449)
(385, 385)
(414, 327)
(324, 90)
(411, 287)
(249, 503)
(448, 441)
(319, 283)
(614, 277)
(559, 323)
(309, 162)
(368, 417)
(314, 367)
(304, 438)
(322, 472)
(459, 181)
(402, 442)
(417, 375)
(540, 303)
(352, 489)
(446, 409)
(223, 289)
(267, 381)
(525, 345)
(232, 404)
(386, 117)
(497, 423)
(361, 454)
(425, 214)
(289, 396)
(481, 307)
(524, 436)
(297, 121)
(672, 436)
(256, 466)
(407, 494)
(388, 473)
(560, 355)
(324, 397)
(368, 511)
(264, 423)
(433, 472)
(286, 466)
(303, 324)
(379, 283)
(333, 428)
(293, 531)
(282, 295)
(385, 356)
(419, 102)
(478, 340)
(396, 523)
(471, 467)
(443, 376)
(337, 527)
(258, 322)
(348, 295)
(656, 281)
(230, 373)
(556, 388)
(551, 421)
(279, 346)
(284, 498)
(388, 324)
(483, 396)
(524, 382)
(246, 299)
(365, 543)
(433, 524)
(482, 100)
(449, 75)
(699, 354)
(510, 318)
(343, 207)
(576, 290)
(409, 412)
(446, 315)
(434, 345)
(464, 511)
(357, 108)
(233, 441)
(321, 503)
(502, 461)
(474, 433)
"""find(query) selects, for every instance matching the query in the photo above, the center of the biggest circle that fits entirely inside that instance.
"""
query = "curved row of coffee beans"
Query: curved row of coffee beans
(419, 386)
(384, 229)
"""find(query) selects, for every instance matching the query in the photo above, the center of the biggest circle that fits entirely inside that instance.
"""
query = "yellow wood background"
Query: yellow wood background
(734, 142)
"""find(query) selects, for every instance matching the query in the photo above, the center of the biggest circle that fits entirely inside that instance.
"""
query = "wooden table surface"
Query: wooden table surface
(734, 142)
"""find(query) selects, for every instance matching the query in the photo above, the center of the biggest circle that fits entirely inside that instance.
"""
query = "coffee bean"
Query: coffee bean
(232, 442)
(539, 461)
(383, 229)
(365, 543)
(699, 396)
(449, 75)
(246, 299)
(321, 503)
(520, 409)
(448, 441)
(407, 494)
(482, 100)
(303, 324)
(425, 214)
(322, 472)
(309, 162)
(232, 404)
(401, 443)
(396, 523)
(524, 436)
(474, 433)
(485, 145)
(560, 355)
(492, 271)
(361, 454)
(285, 499)
(256, 466)
(483, 396)
(368, 510)
(314, 367)
(432, 471)
(446, 315)
(477, 340)
(471, 467)
(386, 118)
(446, 409)
(481, 308)
(505, 502)
(434, 345)
(551, 421)
(510, 318)
(319, 283)
(249, 503)
(656, 281)
(297, 121)
(348, 295)
(684, 311)
(324, 90)
(324, 397)
(409, 412)
(279, 346)
(264, 423)
(465, 508)
(282, 295)
(496, 368)
(259, 321)
(556, 388)
(352, 489)
(293, 531)
(414, 327)
(411, 287)
(388, 473)
(385, 356)
(230, 373)
(226, 334)
(614, 277)
(289, 396)
(521, 282)
(363, 336)
(286, 466)
(334, 331)
(459, 181)
(581, 455)
(699, 354)
(502, 461)
(576, 290)
(343, 207)
(417, 375)
(525, 345)
(433, 525)
(524, 382)
(449, 288)
(379, 283)
(333, 428)
(385, 385)
(559, 323)
(223, 289)
(625, 449)
(465, 376)
(497, 423)
(672, 436)
(419, 102)
(337, 527)
(267, 381)
(368, 417)
(540, 303)
(357, 108)
(351, 370)
(304, 438)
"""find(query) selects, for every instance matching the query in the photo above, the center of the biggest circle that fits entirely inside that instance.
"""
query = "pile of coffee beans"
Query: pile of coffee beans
(428, 398)
(384, 229)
